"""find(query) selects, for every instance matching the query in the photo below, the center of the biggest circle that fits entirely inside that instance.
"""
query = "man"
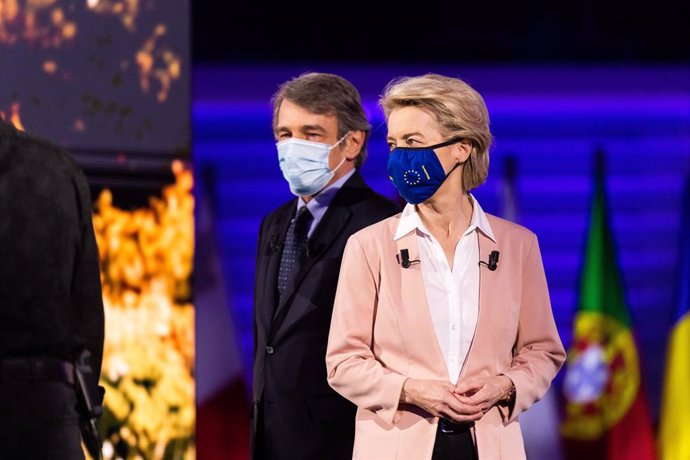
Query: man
(322, 131)
(50, 297)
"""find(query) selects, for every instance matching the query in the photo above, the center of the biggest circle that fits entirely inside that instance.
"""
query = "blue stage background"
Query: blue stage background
(551, 119)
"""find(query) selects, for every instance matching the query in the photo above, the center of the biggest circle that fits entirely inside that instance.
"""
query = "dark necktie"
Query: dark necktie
(294, 247)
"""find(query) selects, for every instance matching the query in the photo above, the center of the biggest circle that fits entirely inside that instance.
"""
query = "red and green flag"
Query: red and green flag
(606, 415)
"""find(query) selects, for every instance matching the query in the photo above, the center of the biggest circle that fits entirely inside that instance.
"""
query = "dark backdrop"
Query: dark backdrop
(482, 31)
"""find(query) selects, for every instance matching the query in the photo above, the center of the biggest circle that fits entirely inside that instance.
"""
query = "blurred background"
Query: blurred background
(132, 87)
(562, 81)
(109, 80)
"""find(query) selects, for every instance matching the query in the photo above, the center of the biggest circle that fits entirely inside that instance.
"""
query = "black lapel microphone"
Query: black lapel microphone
(274, 242)
(404, 258)
(313, 250)
(493, 261)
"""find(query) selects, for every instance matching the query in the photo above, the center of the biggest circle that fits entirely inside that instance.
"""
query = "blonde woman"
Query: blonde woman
(442, 330)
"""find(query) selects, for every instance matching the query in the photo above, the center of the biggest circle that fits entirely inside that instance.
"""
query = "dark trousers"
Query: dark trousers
(454, 446)
(38, 420)
(275, 436)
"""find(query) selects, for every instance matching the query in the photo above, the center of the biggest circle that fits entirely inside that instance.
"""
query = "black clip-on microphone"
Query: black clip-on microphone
(312, 250)
(493, 261)
(274, 242)
(404, 259)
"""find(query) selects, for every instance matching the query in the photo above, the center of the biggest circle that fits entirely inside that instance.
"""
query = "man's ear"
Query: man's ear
(353, 144)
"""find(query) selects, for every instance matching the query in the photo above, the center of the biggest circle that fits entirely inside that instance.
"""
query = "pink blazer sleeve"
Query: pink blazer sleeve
(539, 351)
(353, 371)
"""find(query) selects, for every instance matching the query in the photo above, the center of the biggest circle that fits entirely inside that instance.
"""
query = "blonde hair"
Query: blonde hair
(459, 110)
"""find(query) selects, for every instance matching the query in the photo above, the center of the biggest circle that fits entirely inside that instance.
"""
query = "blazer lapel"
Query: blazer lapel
(414, 311)
(328, 230)
(488, 284)
(272, 254)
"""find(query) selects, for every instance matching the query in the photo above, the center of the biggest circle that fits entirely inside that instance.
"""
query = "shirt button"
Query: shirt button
(453, 327)
(270, 350)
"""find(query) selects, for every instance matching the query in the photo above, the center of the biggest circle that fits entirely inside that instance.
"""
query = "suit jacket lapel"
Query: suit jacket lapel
(414, 312)
(325, 234)
(272, 255)
(488, 284)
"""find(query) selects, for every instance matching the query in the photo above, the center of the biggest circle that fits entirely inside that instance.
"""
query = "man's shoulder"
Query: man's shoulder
(36, 152)
(281, 212)
(357, 194)
(380, 205)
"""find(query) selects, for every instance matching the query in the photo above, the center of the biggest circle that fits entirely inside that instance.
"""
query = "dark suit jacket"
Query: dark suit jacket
(296, 414)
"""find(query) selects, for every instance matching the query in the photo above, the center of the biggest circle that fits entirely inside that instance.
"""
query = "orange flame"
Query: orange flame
(146, 264)
(47, 24)
(14, 117)
(42, 22)
(158, 63)
(127, 10)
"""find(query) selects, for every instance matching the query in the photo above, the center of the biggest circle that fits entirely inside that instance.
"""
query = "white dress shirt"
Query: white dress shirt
(452, 295)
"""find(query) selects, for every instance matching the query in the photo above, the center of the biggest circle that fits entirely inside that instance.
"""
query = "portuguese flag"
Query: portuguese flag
(606, 414)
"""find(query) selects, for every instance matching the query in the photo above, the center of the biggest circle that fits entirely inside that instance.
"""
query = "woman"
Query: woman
(442, 330)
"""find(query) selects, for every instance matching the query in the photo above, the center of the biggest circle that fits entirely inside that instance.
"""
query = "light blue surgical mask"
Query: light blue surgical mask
(305, 164)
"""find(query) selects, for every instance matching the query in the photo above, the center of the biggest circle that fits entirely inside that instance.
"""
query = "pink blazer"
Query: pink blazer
(382, 333)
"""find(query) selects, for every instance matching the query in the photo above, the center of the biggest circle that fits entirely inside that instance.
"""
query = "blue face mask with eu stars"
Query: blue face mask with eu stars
(416, 171)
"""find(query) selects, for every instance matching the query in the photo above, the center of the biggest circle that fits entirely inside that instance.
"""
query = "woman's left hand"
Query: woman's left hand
(484, 392)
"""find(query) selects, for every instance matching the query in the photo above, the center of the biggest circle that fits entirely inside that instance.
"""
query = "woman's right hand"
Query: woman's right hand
(438, 398)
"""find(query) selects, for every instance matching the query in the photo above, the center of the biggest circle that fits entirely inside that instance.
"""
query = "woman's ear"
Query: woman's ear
(463, 150)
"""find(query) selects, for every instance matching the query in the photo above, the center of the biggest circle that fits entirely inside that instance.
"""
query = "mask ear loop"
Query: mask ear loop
(341, 139)
(458, 164)
(339, 165)
(334, 146)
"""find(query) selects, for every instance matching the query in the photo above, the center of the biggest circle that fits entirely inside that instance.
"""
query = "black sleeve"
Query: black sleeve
(86, 298)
